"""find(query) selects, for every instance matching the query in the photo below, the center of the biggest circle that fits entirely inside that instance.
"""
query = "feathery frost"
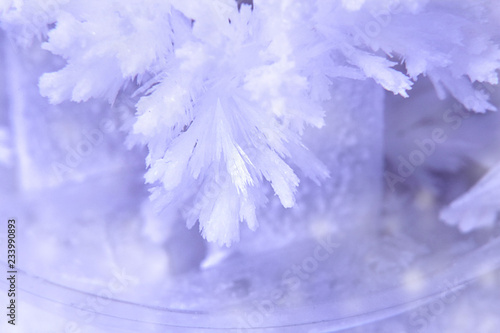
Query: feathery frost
(226, 92)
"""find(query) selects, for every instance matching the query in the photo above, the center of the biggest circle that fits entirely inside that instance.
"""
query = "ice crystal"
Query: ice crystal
(478, 207)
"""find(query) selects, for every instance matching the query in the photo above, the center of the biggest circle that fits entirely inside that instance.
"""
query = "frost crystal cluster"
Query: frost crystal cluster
(225, 90)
